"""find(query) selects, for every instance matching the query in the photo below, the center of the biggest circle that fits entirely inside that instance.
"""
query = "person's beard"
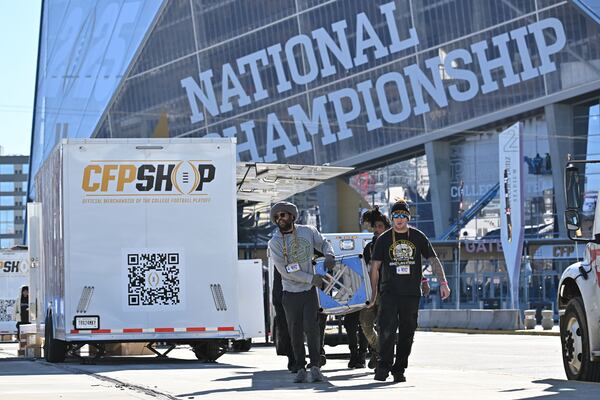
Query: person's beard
(285, 226)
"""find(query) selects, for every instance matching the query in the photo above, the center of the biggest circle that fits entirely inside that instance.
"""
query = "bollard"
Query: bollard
(547, 320)
(530, 321)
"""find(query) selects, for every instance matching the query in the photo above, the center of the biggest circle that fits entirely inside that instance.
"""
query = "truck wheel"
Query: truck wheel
(242, 345)
(208, 351)
(575, 341)
(54, 350)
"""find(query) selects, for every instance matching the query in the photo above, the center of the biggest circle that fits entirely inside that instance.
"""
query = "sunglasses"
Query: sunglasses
(401, 215)
(281, 215)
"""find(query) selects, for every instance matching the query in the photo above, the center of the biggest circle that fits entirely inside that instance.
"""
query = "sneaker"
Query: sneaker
(316, 375)
(381, 375)
(399, 377)
(300, 376)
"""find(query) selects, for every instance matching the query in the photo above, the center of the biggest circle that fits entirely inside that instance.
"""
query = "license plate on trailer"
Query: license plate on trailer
(87, 322)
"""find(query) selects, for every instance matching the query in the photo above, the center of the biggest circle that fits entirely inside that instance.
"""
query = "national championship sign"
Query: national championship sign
(388, 99)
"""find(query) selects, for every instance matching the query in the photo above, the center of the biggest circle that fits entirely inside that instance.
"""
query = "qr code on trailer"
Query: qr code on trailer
(6, 310)
(153, 279)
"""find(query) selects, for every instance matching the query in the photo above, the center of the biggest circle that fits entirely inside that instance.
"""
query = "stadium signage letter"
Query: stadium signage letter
(218, 96)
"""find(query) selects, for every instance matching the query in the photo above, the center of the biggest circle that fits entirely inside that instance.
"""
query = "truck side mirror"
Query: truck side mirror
(572, 220)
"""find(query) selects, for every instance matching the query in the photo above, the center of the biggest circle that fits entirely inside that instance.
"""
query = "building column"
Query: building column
(438, 164)
(328, 205)
(559, 119)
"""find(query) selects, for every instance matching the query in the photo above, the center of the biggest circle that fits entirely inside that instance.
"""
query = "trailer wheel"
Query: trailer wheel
(575, 342)
(209, 351)
(242, 345)
(54, 350)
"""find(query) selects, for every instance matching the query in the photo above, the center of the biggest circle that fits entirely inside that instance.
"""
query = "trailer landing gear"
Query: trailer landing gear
(150, 346)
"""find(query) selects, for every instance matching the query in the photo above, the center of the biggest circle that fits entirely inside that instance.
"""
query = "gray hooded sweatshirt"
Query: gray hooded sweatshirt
(297, 247)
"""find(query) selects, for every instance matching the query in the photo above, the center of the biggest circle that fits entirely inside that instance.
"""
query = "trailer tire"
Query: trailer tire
(55, 350)
(575, 343)
(208, 351)
(242, 345)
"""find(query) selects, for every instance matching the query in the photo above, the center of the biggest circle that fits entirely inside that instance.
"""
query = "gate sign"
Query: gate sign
(512, 230)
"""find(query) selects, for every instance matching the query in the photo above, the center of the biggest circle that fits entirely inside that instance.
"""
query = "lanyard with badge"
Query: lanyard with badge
(290, 267)
(403, 269)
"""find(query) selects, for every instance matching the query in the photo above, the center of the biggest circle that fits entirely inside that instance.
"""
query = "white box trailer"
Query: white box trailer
(14, 274)
(139, 243)
(136, 240)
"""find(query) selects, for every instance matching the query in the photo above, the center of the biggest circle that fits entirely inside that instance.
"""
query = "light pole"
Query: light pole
(458, 223)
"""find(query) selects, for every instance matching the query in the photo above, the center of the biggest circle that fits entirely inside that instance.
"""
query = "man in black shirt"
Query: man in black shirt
(397, 257)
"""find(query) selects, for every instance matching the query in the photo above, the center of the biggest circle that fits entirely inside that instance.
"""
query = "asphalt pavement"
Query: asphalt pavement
(443, 365)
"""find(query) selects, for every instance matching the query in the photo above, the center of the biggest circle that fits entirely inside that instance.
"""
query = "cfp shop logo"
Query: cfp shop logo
(13, 267)
(130, 178)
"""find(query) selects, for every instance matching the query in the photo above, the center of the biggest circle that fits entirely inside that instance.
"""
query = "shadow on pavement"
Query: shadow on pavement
(283, 380)
(566, 390)
(18, 367)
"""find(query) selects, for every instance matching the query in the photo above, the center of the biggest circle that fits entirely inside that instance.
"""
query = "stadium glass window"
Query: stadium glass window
(7, 169)
(7, 201)
(7, 186)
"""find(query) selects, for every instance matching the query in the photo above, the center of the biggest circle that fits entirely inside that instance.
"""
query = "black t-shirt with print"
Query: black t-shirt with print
(400, 255)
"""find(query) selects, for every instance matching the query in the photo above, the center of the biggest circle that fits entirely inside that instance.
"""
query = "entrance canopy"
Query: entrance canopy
(270, 183)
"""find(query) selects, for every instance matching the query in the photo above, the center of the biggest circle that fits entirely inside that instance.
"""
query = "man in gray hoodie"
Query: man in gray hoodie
(291, 249)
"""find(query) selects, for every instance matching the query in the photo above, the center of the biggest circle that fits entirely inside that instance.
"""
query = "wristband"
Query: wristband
(423, 280)
(444, 283)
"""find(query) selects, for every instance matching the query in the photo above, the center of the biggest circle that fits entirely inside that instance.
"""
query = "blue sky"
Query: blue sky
(19, 29)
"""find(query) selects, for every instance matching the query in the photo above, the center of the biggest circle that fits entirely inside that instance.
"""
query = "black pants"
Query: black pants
(396, 313)
(357, 342)
(322, 326)
(302, 313)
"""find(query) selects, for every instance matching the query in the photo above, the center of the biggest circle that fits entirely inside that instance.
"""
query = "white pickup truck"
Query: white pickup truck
(579, 288)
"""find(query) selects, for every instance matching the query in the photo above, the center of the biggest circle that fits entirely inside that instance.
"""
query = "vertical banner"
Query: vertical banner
(512, 229)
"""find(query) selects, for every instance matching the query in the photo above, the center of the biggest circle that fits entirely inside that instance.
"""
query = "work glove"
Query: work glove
(317, 280)
(329, 262)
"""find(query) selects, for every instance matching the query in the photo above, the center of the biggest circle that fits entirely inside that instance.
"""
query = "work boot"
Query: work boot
(316, 375)
(360, 360)
(300, 376)
(399, 377)
(381, 375)
(353, 360)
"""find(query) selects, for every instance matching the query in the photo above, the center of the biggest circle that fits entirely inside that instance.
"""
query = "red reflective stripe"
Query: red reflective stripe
(164, 329)
(101, 331)
(74, 331)
(195, 329)
(133, 330)
(225, 328)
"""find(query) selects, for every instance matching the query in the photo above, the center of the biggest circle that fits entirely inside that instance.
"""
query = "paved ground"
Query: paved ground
(443, 366)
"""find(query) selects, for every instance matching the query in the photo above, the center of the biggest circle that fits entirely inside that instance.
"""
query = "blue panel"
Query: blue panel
(350, 275)
(590, 7)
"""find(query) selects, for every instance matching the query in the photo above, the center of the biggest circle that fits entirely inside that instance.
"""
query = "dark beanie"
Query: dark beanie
(400, 206)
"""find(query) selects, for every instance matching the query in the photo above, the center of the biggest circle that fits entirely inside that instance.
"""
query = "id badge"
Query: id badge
(403, 270)
(292, 268)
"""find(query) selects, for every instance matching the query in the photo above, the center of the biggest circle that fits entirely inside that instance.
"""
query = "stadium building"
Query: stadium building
(412, 93)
